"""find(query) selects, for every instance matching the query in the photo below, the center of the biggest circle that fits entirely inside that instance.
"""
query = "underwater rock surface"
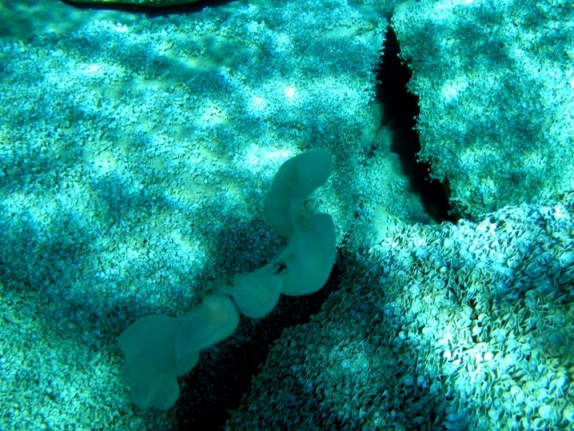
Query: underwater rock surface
(450, 327)
(135, 152)
(496, 89)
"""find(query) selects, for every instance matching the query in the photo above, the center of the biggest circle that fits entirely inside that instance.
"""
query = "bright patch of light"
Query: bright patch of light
(120, 28)
(105, 162)
(257, 104)
(290, 93)
(278, 155)
(258, 156)
(283, 42)
(559, 213)
(213, 115)
(253, 157)
(452, 89)
(91, 69)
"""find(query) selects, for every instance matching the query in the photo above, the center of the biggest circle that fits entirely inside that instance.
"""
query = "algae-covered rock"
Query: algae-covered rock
(454, 327)
(496, 88)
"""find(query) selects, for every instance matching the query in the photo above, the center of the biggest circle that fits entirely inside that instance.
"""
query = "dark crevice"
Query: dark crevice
(224, 373)
(149, 10)
(401, 109)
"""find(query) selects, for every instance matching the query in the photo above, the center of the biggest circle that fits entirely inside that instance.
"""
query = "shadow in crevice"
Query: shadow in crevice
(148, 10)
(224, 374)
(401, 110)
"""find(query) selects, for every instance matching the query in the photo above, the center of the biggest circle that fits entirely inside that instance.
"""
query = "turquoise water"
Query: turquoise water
(136, 151)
